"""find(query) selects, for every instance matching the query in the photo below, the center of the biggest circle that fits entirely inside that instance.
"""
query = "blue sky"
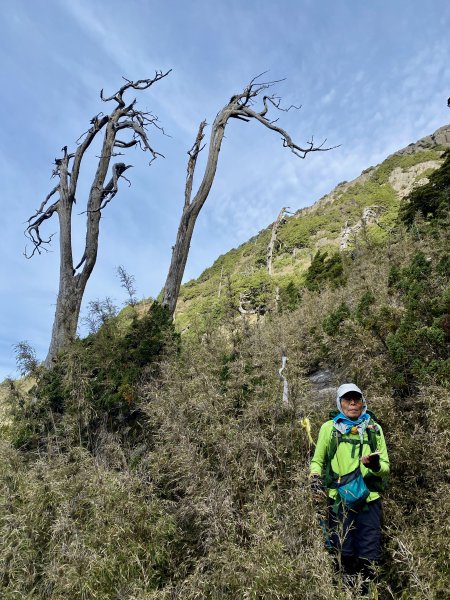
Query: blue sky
(371, 75)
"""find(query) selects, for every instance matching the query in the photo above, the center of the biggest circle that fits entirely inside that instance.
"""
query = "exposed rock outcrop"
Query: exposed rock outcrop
(322, 385)
(441, 137)
(403, 181)
(370, 215)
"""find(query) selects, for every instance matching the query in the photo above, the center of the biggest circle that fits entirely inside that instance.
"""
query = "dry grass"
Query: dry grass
(206, 494)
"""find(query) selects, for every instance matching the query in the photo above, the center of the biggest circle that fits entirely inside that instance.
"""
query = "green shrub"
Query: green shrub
(325, 269)
(419, 345)
(290, 297)
(334, 319)
(431, 200)
(94, 380)
(362, 312)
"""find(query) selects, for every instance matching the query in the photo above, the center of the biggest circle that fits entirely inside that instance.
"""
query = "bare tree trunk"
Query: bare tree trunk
(220, 283)
(66, 318)
(178, 263)
(73, 279)
(273, 238)
(192, 209)
(239, 107)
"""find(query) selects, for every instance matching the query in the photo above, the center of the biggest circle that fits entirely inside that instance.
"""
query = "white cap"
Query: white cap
(345, 389)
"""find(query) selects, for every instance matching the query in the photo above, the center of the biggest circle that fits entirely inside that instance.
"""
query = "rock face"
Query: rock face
(403, 181)
(370, 215)
(322, 385)
(441, 137)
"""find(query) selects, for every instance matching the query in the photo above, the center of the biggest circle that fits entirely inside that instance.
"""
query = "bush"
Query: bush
(333, 320)
(431, 200)
(290, 297)
(323, 270)
(94, 381)
(419, 345)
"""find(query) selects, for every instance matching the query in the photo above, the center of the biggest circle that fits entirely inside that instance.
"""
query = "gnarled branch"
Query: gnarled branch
(242, 107)
(141, 84)
(124, 117)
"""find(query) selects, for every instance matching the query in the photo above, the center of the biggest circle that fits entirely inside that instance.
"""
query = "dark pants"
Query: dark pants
(356, 533)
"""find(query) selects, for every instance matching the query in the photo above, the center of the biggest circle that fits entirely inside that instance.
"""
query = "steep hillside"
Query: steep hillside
(365, 207)
(152, 466)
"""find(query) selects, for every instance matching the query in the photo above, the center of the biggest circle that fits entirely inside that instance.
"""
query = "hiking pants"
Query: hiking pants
(356, 532)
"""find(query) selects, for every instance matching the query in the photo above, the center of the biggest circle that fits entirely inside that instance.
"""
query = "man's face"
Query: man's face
(352, 405)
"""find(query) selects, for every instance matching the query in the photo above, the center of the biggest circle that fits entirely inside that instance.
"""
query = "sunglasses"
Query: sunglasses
(352, 398)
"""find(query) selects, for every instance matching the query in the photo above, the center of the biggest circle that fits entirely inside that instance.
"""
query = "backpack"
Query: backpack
(373, 482)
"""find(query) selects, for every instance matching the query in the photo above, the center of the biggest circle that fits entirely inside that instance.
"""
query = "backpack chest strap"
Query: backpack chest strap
(353, 442)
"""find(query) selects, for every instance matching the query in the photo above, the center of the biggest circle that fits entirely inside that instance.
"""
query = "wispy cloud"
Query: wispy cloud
(381, 89)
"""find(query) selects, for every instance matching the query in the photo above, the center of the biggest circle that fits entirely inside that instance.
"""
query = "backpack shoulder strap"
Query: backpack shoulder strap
(333, 444)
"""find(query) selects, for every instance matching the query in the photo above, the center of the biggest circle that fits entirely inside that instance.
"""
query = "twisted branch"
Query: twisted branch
(67, 168)
(241, 104)
(193, 155)
(140, 84)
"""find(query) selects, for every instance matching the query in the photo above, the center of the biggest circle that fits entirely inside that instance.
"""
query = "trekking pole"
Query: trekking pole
(283, 378)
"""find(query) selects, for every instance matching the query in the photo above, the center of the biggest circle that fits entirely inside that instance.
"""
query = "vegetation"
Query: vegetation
(310, 235)
(145, 466)
(431, 200)
(94, 384)
(323, 270)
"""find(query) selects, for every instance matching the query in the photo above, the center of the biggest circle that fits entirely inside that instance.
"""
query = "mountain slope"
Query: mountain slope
(367, 206)
(152, 466)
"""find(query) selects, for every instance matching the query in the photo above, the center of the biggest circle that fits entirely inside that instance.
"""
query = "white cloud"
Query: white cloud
(373, 93)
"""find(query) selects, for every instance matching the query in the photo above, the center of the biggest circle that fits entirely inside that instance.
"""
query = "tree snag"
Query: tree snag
(273, 237)
(242, 107)
(124, 118)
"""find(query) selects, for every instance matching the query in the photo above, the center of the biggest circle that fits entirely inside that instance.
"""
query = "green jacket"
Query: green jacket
(343, 461)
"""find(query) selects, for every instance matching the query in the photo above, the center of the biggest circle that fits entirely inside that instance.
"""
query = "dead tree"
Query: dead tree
(73, 277)
(273, 237)
(242, 107)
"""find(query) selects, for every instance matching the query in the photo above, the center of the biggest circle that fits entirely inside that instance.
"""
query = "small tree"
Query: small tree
(74, 277)
(240, 106)
(431, 200)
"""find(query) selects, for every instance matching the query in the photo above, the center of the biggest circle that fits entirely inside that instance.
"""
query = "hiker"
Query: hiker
(350, 467)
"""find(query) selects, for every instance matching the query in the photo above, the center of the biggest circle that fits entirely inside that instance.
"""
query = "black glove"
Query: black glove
(372, 462)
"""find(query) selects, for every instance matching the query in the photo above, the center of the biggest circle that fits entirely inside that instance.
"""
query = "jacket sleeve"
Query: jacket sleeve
(384, 457)
(320, 453)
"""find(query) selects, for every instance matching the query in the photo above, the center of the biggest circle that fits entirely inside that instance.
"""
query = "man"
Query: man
(350, 464)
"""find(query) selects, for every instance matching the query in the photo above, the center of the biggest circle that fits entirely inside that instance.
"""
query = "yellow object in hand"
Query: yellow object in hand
(305, 423)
